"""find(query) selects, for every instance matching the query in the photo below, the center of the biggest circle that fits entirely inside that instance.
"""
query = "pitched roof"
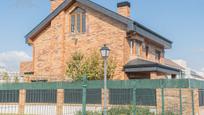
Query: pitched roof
(131, 24)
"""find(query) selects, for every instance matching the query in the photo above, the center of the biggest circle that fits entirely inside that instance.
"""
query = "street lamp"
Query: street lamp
(105, 53)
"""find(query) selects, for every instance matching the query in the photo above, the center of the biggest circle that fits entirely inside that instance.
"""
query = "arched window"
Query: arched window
(78, 21)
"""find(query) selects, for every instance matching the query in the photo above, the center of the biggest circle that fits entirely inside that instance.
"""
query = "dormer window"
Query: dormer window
(78, 21)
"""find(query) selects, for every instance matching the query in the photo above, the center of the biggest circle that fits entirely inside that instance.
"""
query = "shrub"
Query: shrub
(125, 111)
(170, 113)
(89, 113)
(75, 68)
(92, 66)
(129, 111)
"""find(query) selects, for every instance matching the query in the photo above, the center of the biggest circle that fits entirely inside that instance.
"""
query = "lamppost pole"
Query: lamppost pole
(105, 86)
(105, 53)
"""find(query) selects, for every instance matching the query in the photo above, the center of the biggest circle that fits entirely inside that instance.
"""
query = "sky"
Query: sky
(181, 21)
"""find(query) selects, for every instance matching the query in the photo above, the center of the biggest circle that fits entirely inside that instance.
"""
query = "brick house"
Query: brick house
(82, 25)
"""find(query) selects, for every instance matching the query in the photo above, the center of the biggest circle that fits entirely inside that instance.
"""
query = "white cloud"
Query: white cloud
(11, 59)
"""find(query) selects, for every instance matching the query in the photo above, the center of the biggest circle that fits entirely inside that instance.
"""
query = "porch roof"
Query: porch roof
(140, 65)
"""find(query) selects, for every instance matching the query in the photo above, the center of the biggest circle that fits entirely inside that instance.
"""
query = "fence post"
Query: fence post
(84, 86)
(162, 94)
(60, 101)
(134, 101)
(192, 95)
(22, 100)
(181, 106)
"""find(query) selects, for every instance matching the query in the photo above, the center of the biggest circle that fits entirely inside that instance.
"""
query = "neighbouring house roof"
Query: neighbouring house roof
(26, 67)
(140, 65)
(196, 75)
(170, 63)
(188, 72)
(131, 24)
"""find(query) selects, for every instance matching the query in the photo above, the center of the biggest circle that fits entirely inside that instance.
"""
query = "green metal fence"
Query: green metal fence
(131, 97)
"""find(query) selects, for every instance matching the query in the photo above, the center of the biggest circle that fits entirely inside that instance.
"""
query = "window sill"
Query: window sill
(74, 34)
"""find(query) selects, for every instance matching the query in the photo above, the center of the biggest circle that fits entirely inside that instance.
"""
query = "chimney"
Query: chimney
(55, 4)
(124, 8)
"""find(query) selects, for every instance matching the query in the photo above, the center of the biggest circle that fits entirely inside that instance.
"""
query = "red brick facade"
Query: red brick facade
(53, 46)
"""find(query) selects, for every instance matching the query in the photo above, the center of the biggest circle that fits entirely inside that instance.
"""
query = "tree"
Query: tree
(92, 66)
(5, 76)
(75, 68)
(16, 79)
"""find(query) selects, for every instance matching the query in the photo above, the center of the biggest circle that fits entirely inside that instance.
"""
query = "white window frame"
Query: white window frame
(138, 48)
(131, 47)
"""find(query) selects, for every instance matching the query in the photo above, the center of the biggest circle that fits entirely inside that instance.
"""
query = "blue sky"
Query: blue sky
(181, 21)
